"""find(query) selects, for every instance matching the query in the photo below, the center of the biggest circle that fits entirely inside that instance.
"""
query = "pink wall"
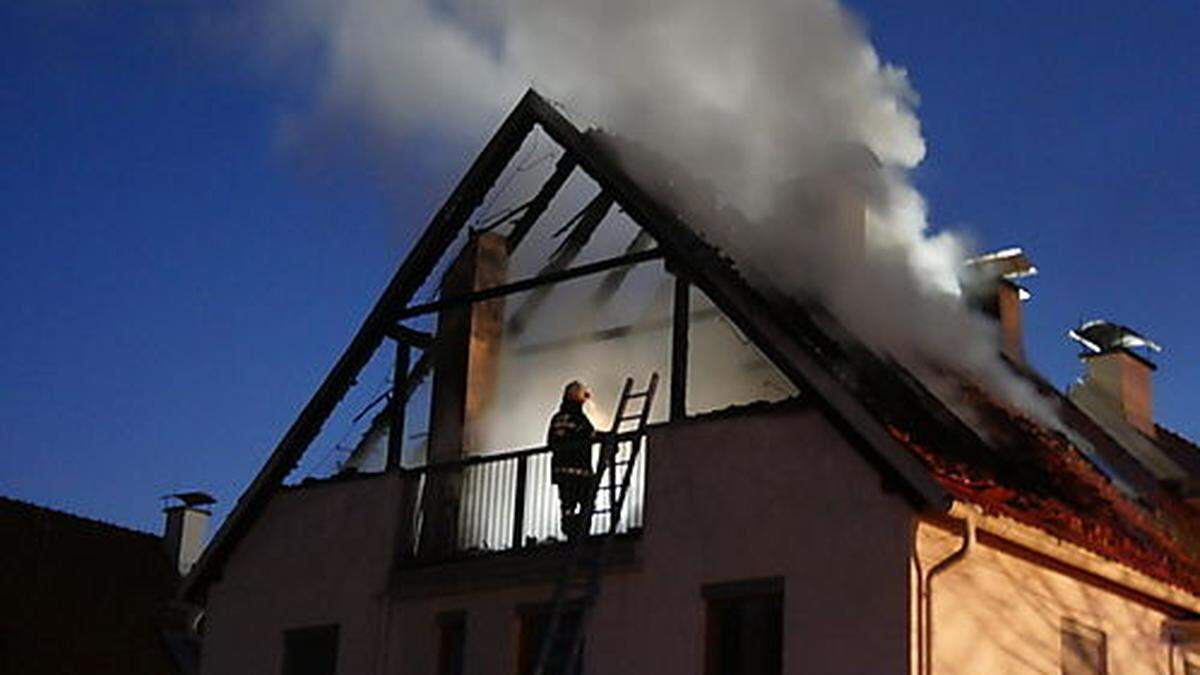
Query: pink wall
(773, 493)
(318, 555)
(769, 494)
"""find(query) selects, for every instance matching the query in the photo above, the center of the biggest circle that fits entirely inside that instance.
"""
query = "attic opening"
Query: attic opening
(551, 281)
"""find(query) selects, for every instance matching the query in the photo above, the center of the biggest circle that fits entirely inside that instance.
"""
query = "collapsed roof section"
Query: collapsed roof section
(999, 460)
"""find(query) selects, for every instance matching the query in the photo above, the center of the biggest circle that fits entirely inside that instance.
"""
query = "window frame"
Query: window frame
(451, 639)
(528, 614)
(1084, 634)
(719, 597)
(291, 636)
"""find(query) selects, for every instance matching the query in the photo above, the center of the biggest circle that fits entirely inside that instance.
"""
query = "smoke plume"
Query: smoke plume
(762, 99)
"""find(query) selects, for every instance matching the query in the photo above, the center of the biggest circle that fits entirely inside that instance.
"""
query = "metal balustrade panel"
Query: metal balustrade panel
(487, 506)
(542, 518)
(487, 513)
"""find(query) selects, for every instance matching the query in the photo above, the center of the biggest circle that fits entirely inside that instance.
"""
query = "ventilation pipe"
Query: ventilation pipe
(185, 528)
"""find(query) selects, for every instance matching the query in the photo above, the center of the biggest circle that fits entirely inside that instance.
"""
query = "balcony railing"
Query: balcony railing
(505, 501)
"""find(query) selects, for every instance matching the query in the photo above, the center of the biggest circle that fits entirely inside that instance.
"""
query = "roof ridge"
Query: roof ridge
(20, 503)
(1177, 434)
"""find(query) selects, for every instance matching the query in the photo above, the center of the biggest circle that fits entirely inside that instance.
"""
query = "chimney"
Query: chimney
(465, 368)
(185, 527)
(990, 285)
(468, 341)
(1117, 381)
(834, 202)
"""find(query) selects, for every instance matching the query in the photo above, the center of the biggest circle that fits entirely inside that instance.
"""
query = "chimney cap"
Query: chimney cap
(1101, 337)
(190, 499)
(1008, 264)
(984, 274)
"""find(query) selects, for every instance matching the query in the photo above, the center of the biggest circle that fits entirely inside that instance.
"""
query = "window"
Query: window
(452, 640)
(1084, 650)
(310, 651)
(535, 621)
(744, 627)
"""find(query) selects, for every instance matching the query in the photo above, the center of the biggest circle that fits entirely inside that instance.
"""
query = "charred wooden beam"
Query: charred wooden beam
(410, 336)
(395, 396)
(613, 280)
(579, 232)
(537, 206)
(679, 348)
(395, 445)
(530, 283)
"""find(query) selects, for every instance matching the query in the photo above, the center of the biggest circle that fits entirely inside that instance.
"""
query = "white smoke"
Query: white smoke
(753, 97)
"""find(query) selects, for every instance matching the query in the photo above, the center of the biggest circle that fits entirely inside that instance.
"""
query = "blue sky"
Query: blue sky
(175, 285)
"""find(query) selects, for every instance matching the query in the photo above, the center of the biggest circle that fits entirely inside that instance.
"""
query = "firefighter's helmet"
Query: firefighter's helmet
(576, 391)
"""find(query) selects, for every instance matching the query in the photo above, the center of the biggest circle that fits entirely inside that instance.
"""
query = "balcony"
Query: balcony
(505, 502)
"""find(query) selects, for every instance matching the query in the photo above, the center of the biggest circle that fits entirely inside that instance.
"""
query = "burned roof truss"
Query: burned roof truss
(664, 235)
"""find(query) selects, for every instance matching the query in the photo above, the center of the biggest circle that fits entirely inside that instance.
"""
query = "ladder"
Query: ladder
(578, 584)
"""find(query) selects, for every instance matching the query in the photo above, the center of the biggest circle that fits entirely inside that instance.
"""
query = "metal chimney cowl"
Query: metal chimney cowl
(185, 527)
(1117, 377)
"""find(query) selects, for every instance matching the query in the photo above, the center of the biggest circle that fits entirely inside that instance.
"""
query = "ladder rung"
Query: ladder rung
(640, 394)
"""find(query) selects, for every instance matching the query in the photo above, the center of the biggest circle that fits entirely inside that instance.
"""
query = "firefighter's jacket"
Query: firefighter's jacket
(570, 441)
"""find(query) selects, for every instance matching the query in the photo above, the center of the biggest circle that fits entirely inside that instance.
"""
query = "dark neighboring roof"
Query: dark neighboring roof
(81, 595)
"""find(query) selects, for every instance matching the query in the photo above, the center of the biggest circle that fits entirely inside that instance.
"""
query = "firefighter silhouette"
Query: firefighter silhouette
(570, 440)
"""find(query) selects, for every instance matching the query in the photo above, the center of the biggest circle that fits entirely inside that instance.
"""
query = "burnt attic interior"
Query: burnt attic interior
(549, 262)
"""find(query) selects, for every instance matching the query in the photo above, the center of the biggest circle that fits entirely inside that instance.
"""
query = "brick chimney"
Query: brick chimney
(1117, 378)
(1122, 382)
(833, 204)
(185, 528)
(990, 285)
(467, 357)
(1116, 391)
(465, 368)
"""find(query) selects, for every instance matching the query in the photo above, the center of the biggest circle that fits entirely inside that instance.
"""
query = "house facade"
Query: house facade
(797, 503)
